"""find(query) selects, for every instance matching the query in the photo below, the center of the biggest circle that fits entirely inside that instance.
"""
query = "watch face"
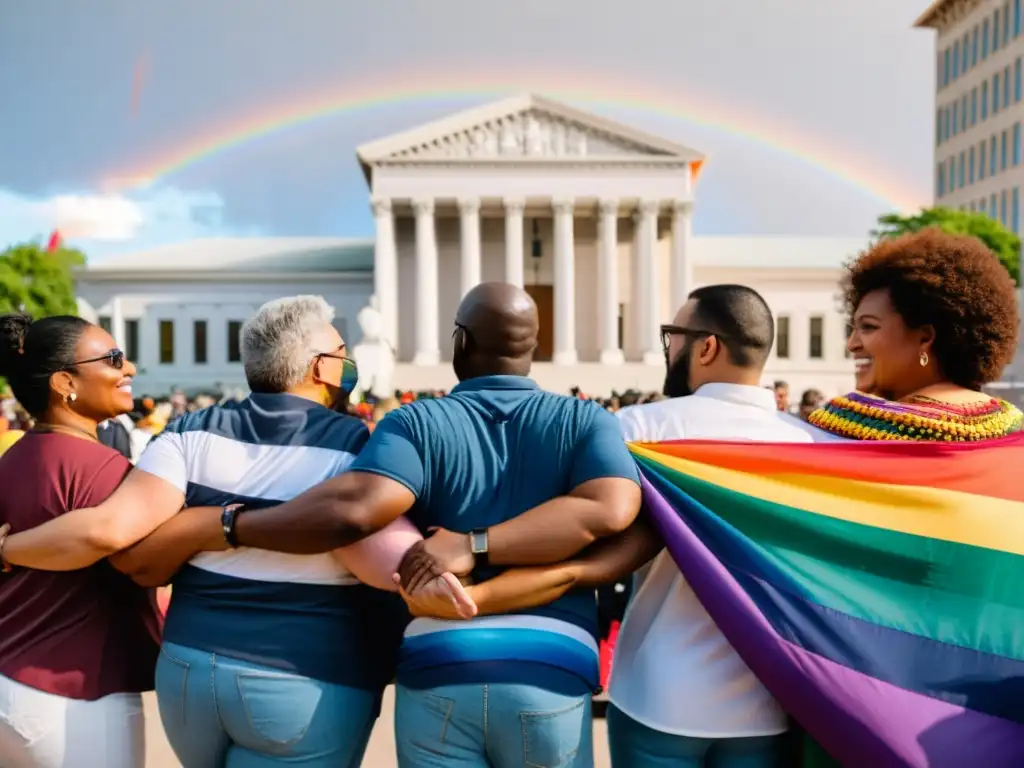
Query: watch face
(478, 543)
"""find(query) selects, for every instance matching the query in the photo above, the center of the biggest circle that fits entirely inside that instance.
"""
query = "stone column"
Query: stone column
(565, 284)
(117, 323)
(385, 270)
(608, 280)
(514, 208)
(650, 293)
(469, 271)
(427, 349)
(681, 268)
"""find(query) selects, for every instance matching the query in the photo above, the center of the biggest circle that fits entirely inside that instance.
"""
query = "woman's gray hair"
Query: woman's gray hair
(276, 342)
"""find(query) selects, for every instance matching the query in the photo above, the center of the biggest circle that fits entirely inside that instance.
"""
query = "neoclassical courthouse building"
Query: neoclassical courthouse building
(592, 218)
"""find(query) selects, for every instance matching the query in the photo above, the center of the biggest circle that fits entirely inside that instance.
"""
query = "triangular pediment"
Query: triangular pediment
(525, 127)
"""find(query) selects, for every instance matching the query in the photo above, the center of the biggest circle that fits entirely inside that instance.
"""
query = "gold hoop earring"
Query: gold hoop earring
(923, 359)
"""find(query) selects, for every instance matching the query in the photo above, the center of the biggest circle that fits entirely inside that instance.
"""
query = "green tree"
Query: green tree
(38, 282)
(1001, 241)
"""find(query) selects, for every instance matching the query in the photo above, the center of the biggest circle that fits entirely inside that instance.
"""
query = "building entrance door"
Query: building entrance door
(544, 297)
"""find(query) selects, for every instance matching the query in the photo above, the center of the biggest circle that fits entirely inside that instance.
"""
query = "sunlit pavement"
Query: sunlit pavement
(381, 752)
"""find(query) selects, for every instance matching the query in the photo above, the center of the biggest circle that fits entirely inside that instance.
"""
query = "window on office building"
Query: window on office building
(1016, 18)
(992, 200)
(816, 350)
(1006, 86)
(199, 341)
(940, 180)
(1016, 144)
(106, 324)
(984, 100)
(166, 342)
(974, 106)
(956, 117)
(995, 93)
(782, 337)
(961, 178)
(956, 59)
(1002, 208)
(1015, 211)
(974, 45)
(981, 160)
(131, 339)
(992, 159)
(1006, 22)
(234, 341)
(984, 41)
(995, 31)
(965, 52)
(963, 113)
(970, 168)
(1003, 151)
(938, 127)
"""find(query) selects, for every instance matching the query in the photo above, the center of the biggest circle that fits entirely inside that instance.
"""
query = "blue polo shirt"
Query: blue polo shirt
(493, 448)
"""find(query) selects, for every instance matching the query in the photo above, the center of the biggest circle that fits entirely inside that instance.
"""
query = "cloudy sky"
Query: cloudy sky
(129, 123)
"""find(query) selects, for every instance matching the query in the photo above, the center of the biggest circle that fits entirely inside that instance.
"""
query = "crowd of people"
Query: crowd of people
(130, 433)
(455, 550)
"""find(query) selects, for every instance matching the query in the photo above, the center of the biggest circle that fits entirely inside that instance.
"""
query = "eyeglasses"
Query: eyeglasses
(349, 369)
(114, 358)
(668, 331)
(465, 333)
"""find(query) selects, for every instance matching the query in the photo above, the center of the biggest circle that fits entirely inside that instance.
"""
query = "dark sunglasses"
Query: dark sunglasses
(349, 370)
(114, 358)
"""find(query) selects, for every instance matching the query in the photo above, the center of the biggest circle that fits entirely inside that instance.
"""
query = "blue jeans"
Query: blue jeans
(219, 711)
(633, 745)
(504, 725)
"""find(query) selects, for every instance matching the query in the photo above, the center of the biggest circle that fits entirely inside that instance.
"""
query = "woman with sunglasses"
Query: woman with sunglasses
(268, 659)
(78, 647)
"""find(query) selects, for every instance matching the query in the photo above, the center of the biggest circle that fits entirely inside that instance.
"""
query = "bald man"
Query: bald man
(515, 476)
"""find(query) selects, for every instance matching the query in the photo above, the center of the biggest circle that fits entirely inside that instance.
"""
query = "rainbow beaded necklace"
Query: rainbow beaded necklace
(862, 417)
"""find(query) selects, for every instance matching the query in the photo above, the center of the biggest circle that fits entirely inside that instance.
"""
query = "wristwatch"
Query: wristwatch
(228, 521)
(479, 546)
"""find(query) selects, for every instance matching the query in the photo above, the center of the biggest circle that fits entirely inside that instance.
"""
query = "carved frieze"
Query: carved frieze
(530, 134)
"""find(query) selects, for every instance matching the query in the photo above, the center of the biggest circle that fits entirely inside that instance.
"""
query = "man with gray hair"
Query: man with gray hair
(267, 657)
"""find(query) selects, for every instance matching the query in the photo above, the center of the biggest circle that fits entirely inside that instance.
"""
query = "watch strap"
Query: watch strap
(228, 521)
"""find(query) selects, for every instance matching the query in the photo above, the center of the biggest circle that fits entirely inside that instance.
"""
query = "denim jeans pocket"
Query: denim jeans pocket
(279, 708)
(171, 687)
(552, 739)
(423, 718)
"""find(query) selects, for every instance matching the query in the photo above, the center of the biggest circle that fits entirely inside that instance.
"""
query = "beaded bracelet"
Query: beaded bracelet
(5, 530)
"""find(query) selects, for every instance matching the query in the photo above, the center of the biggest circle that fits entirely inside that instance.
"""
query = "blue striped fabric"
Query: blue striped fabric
(300, 613)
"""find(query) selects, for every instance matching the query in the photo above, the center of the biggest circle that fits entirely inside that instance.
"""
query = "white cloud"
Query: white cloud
(100, 223)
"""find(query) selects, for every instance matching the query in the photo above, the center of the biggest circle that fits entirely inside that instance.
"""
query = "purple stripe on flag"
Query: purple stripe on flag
(860, 720)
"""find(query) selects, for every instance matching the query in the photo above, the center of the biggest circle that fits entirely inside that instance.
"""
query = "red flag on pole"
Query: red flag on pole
(56, 241)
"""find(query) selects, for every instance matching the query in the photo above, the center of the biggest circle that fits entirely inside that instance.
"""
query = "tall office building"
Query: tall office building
(978, 108)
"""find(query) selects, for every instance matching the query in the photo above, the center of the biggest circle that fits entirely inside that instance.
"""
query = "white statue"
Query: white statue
(374, 355)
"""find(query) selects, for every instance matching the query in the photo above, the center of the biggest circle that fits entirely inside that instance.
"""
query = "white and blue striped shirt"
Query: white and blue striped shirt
(301, 613)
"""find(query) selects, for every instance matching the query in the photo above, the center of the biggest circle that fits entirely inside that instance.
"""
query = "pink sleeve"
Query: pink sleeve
(374, 559)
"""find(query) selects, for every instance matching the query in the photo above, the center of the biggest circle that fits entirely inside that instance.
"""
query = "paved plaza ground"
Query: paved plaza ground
(381, 753)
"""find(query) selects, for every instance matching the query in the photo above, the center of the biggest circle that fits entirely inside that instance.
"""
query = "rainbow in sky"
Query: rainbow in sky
(596, 92)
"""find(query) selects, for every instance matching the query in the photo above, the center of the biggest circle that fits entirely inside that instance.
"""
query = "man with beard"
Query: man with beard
(679, 693)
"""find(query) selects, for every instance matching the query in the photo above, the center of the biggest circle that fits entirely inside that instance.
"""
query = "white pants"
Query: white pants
(41, 730)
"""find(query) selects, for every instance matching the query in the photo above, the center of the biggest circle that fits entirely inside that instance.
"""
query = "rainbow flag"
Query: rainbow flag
(876, 589)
